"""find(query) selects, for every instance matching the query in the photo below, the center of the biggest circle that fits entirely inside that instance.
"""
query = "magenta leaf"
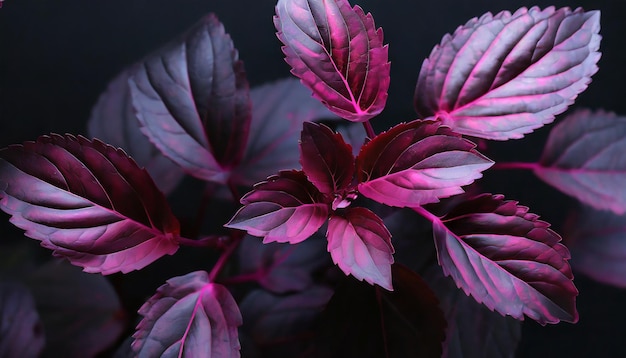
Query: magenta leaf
(417, 163)
(21, 331)
(597, 240)
(281, 268)
(583, 157)
(500, 77)
(284, 208)
(507, 259)
(364, 321)
(473, 330)
(192, 100)
(338, 53)
(88, 202)
(360, 245)
(113, 121)
(189, 317)
(278, 111)
(326, 158)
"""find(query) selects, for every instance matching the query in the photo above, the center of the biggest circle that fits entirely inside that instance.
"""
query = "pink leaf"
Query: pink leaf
(326, 158)
(500, 77)
(285, 208)
(88, 202)
(192, 100)
(584, 157)
(338, 53)
(507, 259)
(189, 317)
(113, 121)
(21, 331)
(417, 163)
(278, 111)
(360, 245)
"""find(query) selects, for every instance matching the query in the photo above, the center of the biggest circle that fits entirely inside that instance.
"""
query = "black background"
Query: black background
(57, 56)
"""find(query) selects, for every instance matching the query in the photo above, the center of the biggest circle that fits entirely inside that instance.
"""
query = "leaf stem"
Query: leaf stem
(243, 278)
(213, 241)
(427, 214)
(236, 237)
(516, 165)
(369, 130)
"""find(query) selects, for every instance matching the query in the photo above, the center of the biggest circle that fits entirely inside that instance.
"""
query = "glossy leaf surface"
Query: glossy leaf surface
(500, 77)
(189, 317)
(365, 321)
(88, 202)
(417, 163)
(584, 157)
(360, 245)
(326, 158)
(113, 121)
(21, 331)
(338, 53)
(278, 111)
(285, 208)
(507, 259)
(192, 100)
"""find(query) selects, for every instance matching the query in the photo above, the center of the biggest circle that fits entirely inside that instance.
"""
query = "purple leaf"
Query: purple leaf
(500, 77)
(338, 53)
(284, 208)
(281, 268)
(192, 100)
(583, 157)
(278, 111)
(365, 321)
(88, 202)
(189, 317)
(326, 158)
(360, 245)
(417, 163)
(21, 331)
(113, 121)
(597, 240)
(507, 259)
(81, 313)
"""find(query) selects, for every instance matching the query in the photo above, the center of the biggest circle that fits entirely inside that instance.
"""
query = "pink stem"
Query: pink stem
(214, 241)
(427, 214)
(243, 278)
(516, 165)
(369, 130)
(237, 236)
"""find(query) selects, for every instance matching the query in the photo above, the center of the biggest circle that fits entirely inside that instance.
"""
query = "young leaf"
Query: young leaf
(417, 163)
(583, 157)
(88, 202)
(597, 240)
(284, 208)
(21, 331)
(189, 317)
(192, 100)
(507, 259)
(326, 158)
(500, 77)
(113, 121)
(278, 111)
(338, 53)
(365, 321)
(360, 245)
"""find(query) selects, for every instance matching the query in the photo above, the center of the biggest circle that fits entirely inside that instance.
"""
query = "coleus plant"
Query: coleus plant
(333, 190)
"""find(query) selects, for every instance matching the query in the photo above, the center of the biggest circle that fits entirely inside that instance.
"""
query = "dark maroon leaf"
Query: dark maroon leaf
(278, 111)
(597, 240)
(113, 121)
(417, 163)
(88, 202)
(365, 321)
(338, 53)
(281, 268)
(81, 313)
(189, 317)
(507, 259)
(326, 158)
(360, 245)
(192, 100)
(21, 331)
(500, 77)
(584, 157)
(473, 330)
(285, 208)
